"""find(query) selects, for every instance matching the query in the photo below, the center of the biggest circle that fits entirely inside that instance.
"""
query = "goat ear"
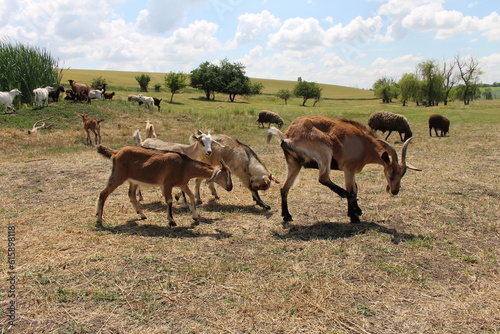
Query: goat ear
(200, 132)
(385, 157)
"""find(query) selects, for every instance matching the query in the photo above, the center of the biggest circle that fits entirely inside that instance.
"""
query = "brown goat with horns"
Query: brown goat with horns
(325, 143)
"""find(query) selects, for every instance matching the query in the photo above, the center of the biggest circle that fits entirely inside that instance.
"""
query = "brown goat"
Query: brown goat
(167, 169)
(92, 124)
(325, 143)
(81, 90)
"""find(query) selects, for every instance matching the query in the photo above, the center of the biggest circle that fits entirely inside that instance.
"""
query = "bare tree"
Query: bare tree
(469, 73)
(450, 79)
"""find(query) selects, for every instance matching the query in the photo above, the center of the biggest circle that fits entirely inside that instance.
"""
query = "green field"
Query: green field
(126, 80)
(424, 261)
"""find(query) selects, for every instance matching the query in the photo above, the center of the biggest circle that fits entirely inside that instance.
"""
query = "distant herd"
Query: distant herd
(310, 141)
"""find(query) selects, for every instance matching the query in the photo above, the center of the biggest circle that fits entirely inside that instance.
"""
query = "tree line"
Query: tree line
(432, 84)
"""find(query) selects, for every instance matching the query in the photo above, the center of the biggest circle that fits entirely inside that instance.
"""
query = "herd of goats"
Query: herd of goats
(315, 142)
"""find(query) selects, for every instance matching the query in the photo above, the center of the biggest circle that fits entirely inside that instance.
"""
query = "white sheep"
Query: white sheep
(6, 99)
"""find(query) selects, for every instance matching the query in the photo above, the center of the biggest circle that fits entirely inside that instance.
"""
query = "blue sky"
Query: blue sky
(350, 43)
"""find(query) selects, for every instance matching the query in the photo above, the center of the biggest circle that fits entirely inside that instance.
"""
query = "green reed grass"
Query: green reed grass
(26, 67)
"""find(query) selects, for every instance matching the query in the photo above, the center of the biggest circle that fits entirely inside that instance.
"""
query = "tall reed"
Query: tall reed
(27, 67)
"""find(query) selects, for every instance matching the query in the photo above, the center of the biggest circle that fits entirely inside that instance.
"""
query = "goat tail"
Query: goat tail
(137, 138)
(105, 151)
(272, 131)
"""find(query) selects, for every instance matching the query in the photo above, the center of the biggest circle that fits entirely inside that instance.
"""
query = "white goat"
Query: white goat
(42, 96)
(148, 101)
(96, 94)
(6, 99)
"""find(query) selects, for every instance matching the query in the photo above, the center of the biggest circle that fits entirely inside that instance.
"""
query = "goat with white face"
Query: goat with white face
(6, 99)
(167, 169)
(325, 143)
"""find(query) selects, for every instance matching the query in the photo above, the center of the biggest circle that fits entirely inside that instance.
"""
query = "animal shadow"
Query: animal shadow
(132, 227)
(329, 230)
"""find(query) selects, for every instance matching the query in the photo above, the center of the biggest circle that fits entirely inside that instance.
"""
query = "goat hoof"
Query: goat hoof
(287, 218)
(355, 219)
(172, 224)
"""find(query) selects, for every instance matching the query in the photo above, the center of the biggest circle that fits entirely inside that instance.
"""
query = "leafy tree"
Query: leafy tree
(284, 94)
(143, 81)
(385, 89)
(307, 90)
(175, 82)
(206, 77)
(233, 80)
(408, 87)
(487, 94)
(433, 82)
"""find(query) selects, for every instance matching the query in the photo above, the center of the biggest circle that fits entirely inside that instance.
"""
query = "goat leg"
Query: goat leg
(353, 210)
(258, 201)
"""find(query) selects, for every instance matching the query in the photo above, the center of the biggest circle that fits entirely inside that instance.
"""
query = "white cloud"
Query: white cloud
(252, 26)
(162, 16)
(297, 34)
(358, 30)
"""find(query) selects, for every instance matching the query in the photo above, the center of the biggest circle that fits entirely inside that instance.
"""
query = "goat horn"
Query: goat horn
(403, 155)
(391, 149)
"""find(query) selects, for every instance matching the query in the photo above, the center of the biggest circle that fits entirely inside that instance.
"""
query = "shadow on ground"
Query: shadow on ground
(329, 230)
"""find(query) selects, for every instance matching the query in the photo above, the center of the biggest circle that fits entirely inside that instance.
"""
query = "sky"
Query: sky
(349, 43)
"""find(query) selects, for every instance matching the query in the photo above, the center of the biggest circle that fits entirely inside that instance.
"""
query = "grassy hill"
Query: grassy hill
(120, 80)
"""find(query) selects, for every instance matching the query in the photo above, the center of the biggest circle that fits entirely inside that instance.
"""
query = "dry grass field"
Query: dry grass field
(424, 261)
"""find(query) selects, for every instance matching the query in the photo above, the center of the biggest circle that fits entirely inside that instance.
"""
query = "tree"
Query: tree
(487, 94)
(385, 89)
(284, 94)
(143, 81)
(233, 80)
(99, 81)
(206, 77)
(408, 87)
(469, 73)
(450, 80)
(307, 90)
(433, 82)
(175, 82)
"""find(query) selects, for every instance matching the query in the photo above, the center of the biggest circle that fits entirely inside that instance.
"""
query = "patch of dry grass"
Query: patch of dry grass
(425, 261)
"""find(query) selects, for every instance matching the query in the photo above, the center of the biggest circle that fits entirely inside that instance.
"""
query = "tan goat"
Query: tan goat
(94, 125)
(167, 169)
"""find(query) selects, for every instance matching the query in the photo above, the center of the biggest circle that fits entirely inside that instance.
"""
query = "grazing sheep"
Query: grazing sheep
(6, 99)
(134, 98)
(439, 122)
(266, 116)
(387, 121)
